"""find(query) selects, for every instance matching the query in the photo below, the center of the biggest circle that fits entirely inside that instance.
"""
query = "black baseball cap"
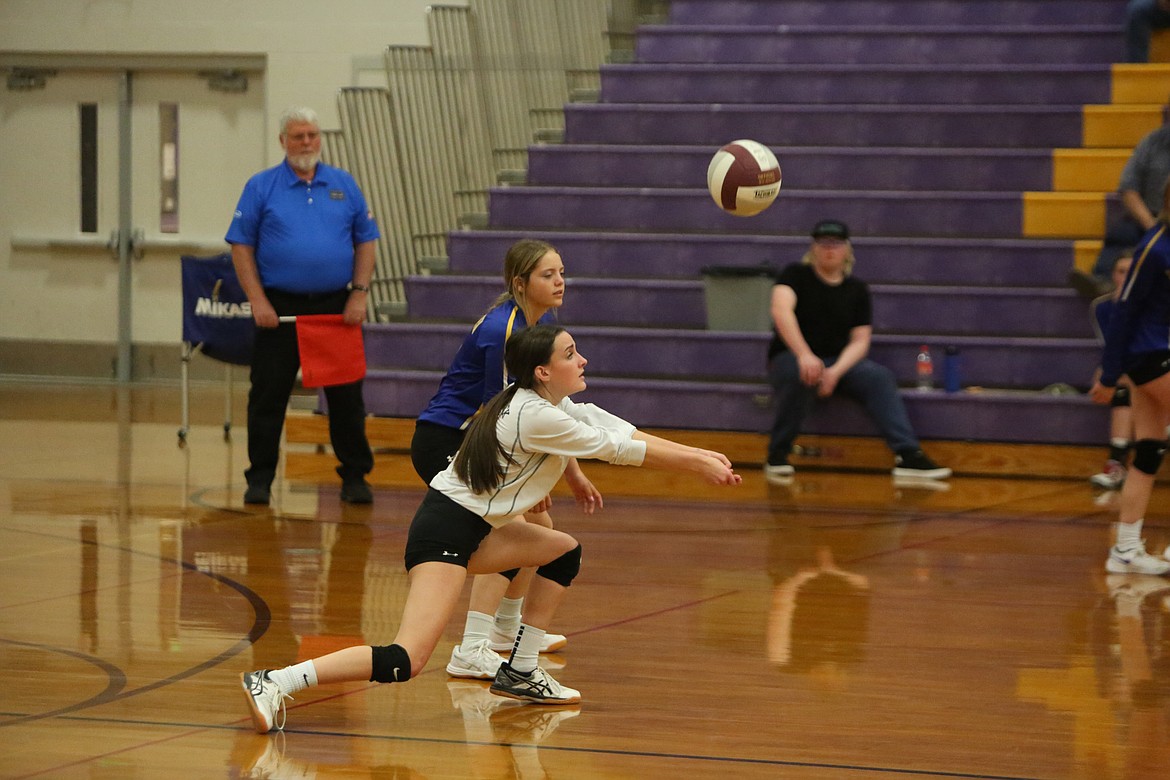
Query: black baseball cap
(831, 228)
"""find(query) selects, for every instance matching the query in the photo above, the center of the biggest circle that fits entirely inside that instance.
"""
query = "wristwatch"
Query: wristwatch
(359, 287)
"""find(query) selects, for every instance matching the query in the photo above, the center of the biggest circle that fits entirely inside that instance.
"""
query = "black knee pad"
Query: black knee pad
(1120, 396)
(510, 574)
(563, 569)
(391, 664)
(1148, 454)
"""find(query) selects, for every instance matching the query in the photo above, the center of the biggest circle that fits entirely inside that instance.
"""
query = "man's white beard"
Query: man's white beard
(304, 163)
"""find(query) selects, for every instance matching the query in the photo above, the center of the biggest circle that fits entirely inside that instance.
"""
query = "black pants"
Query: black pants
(275, 362)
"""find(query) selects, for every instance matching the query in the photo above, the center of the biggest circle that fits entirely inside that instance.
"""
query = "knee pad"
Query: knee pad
(1148, 454)
(1120, 396)
(510, 574)
(563, 569)
(391, 664)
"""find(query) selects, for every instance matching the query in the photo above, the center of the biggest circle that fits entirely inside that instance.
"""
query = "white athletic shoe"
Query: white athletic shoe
(1135, 561)
(266, 700)
(538, 686)
(502, 643)
(477, 662)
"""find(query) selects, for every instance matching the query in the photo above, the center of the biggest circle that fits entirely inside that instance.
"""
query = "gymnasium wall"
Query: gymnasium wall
(59, 286)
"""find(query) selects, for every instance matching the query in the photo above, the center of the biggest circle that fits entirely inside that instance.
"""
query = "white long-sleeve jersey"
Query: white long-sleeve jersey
(541, 438)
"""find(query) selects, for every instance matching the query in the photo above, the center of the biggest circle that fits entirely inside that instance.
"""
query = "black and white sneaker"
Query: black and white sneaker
(915, 463)
(537, 686)
(265, 700)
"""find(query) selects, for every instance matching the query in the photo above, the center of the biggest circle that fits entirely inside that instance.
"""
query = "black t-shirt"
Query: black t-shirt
(826, 313)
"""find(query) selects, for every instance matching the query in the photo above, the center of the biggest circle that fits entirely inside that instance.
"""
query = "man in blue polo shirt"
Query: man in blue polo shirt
(302, 243)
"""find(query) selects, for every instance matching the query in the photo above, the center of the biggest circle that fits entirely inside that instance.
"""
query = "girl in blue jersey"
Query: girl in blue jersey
(1137, 345)
(534, 286)
(515, 451)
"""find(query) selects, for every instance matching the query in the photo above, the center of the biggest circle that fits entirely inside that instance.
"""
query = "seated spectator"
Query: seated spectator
(823, 323)
(1141, 195)
(1120, 413)
(1142, 17)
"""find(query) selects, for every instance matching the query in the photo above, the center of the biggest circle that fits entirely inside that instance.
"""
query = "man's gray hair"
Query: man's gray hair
(297, 114)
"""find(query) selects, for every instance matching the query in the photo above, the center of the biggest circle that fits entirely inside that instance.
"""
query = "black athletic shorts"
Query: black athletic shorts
(443, 531)
(1151, 366)
(432, 447)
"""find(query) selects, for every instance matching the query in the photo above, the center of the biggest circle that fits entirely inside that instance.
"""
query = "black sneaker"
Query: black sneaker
(537, 686)
(914, 463)
(356, 491)
(257, 494)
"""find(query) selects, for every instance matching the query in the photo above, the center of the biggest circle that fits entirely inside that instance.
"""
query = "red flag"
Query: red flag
(332, 353)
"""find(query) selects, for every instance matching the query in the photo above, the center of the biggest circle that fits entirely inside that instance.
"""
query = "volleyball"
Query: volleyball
(743, 178)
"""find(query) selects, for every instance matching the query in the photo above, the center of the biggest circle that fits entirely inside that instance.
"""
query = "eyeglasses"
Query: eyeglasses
(829, 242)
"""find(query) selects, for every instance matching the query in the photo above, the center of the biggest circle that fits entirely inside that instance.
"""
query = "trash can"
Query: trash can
(738, 297)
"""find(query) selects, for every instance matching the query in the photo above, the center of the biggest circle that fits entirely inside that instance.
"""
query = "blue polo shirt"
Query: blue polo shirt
(303, 232)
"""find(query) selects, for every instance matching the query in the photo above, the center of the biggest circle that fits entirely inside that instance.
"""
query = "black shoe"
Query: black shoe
(356, 491)
(257, 494)
(914, 463)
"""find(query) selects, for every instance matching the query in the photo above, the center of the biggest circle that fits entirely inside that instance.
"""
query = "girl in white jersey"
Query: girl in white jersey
(513, 454)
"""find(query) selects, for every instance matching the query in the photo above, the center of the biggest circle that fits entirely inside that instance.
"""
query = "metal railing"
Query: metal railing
(458, 116)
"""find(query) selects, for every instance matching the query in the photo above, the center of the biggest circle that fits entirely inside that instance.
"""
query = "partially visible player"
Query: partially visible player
(1137, 344)
(1120, 416)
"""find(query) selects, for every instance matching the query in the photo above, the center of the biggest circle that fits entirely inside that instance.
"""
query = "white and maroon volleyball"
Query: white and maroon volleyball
(744, 178)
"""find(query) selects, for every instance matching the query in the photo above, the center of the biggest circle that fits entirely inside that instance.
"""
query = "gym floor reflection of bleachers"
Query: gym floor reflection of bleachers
(841, 626)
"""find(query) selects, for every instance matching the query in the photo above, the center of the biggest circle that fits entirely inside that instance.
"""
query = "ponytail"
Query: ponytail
(482, 462)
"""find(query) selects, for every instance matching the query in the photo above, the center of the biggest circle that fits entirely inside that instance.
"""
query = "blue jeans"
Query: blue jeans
(870, 384)
(1142, 17)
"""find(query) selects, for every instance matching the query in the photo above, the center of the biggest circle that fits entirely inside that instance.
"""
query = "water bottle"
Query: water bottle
(925, 371)
(951, 370)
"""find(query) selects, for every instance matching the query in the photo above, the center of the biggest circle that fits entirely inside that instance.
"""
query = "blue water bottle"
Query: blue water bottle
(951, 379)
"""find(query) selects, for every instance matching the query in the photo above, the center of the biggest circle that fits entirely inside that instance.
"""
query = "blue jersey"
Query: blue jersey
(1140, 323)
(304, 233)
(477, 373)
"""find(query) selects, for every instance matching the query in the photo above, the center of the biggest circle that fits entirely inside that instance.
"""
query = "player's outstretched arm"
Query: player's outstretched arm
(713, 467)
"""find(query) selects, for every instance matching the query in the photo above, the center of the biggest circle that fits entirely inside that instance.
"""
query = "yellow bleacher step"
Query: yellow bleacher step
(1120, 126)
(1064, 214)
(1085, 254)
(1140, 83)
(1088, 170)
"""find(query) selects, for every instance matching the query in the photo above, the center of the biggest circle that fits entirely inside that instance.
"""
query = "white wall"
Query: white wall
(311, 45)
(312, 49)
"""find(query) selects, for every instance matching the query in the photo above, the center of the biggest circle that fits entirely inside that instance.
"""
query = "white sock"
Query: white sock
(1129, 535)
(526, 651)
(296, 677)
(508, 616)
(477, 628)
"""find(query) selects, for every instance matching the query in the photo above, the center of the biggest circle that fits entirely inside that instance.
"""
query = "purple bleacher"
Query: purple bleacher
(880, 44)
(994, 262)
(994, 362)
(806, 168)
(779, 124)
(676, 303)
(985, 416)
(922, 138)
(844, 13)
(954, 214)
(857, 84)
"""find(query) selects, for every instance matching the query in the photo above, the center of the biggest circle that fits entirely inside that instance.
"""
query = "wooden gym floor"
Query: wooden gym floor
(841, 626)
